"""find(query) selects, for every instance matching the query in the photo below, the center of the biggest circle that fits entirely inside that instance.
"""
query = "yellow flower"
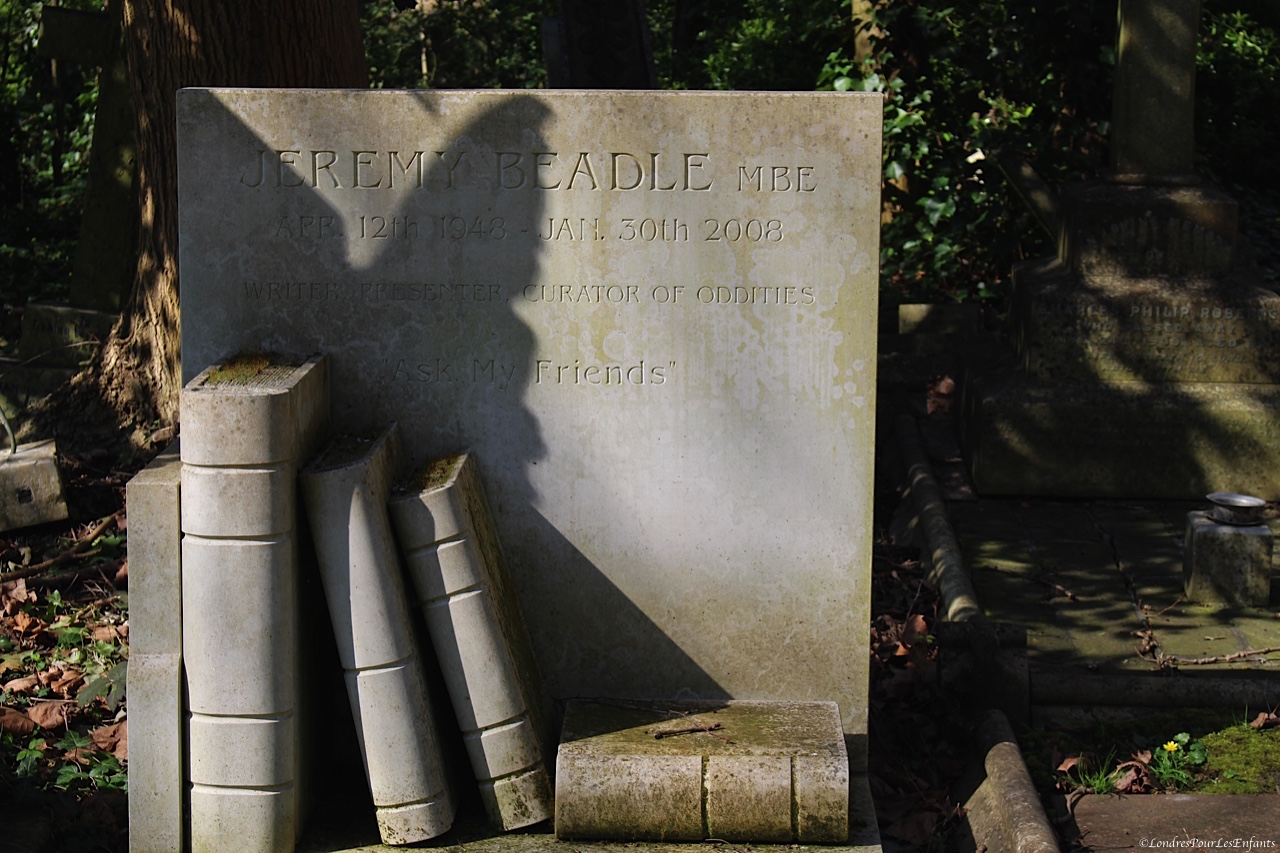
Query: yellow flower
(1170, 747)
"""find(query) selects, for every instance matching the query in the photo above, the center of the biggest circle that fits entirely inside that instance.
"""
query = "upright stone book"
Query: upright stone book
(246, 425)
(454, 558)
(345, 490)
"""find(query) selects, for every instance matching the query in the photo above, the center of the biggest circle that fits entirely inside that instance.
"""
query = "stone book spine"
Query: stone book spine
(246, 426)
(451, 549)
(345, 491)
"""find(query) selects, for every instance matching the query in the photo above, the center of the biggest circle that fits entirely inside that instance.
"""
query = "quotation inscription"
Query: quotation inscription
(446, 370)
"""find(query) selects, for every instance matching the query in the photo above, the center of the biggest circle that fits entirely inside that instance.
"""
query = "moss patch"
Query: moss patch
(1242, 761)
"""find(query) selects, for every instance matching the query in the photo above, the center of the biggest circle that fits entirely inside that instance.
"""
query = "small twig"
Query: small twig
(76, 550)
(1170, 607)
(687, 730)
(68, 578)
(93, 605)
(1247, 653)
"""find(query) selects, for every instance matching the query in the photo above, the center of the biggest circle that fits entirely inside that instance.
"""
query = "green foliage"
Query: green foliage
(959, 82)
(456, 44)
(1238, 97)
(45, 129)
(1174, 762)
(744, 44)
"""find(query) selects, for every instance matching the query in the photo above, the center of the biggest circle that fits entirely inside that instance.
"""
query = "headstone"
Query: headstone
(652, 316)
(1145, 361)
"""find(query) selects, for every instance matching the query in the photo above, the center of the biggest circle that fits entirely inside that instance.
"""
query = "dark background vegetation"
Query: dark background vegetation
(959, 80)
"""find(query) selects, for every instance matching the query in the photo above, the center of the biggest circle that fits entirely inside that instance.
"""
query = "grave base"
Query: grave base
(1120, 440)
(30, 486)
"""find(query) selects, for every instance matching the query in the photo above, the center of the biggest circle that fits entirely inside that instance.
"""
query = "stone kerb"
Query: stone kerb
(651, 315)
(156, 766)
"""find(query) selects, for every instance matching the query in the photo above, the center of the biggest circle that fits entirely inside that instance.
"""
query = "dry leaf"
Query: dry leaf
(1065, 766)
(67, 683)
(104, 634)
(113, 739)
(22, 685)
(15, 723)
(1265, 720)
(48, 715)
(80, 755)
(915, 628)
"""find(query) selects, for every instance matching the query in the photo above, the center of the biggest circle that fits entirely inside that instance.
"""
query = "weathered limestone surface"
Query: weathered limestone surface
(1225, 563)
(247, 425)
(345, 490)
(766, 772)
(651, 315)
(30, 485)
(453, 556)
(155, 661)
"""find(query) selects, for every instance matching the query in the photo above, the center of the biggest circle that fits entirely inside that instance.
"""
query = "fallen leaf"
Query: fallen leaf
(48, 715)
(113, 739)
(67, 683)
(22, 685)
(15, 723)
(80, 755)
(914, 629)
(1265, 720)
(104, 634)
(1065, 766)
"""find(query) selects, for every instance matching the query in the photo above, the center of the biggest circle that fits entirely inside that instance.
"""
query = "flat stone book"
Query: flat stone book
(768, 772)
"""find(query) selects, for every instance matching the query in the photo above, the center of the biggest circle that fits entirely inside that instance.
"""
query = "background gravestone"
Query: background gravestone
(651, 316)
(1147, 347)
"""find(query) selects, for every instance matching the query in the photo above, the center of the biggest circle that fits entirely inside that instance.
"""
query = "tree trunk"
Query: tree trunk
(130, 390)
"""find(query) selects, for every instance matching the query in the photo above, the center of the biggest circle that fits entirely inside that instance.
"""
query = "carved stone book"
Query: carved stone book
(451, 551)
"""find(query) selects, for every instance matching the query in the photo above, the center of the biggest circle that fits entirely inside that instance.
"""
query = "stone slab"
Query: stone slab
(743, 771)
(651, 315)
(333, 831)
(1179, 821)
(1144, 329)
(1120, 440)
(30, 485)
(62, 336)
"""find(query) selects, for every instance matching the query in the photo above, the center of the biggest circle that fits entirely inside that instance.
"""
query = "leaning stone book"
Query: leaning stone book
(345, 490)
(247, 424)
(453, 556)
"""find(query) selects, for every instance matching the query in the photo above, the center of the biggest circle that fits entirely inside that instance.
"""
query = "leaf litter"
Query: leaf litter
(63, 661)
